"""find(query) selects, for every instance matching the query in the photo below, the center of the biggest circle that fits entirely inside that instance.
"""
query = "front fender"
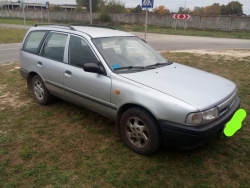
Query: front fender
(161, 105)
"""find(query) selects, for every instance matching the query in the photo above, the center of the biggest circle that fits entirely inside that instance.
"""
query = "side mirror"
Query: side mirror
(93, 68)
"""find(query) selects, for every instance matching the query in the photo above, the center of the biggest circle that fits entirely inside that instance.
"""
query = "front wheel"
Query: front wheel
(41, 93)
(140, 131)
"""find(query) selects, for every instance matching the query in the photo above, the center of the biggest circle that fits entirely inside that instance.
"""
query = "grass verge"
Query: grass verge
(62, 145)
(18, 21)
(11, 35)
(187, 32)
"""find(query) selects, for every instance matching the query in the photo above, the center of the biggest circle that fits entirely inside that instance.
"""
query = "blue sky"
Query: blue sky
(172, 5)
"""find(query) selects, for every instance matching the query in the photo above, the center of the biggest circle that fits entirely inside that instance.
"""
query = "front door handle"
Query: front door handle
(68, 72)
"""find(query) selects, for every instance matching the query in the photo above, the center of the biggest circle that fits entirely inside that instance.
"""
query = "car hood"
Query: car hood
(200, 89)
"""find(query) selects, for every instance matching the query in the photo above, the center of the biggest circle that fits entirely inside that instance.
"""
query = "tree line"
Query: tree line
(117, 6)
(110, 6)
(232, 8)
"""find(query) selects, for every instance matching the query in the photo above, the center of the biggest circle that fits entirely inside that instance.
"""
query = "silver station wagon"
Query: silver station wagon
(153, 101)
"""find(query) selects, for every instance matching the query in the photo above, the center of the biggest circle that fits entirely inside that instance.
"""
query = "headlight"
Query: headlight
(202, 117)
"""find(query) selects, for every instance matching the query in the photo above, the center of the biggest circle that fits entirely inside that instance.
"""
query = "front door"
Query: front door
(90, 90)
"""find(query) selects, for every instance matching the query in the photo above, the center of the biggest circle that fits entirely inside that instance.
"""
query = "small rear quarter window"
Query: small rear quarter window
(33, 41)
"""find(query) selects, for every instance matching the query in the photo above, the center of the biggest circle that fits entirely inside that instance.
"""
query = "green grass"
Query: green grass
(188, 32)
(11, 35)
(18, 21)
(28, 21)
(62, 145)
(151, 29)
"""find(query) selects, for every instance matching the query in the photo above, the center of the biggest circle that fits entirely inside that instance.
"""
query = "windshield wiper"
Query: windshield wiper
(129, 67)
(159, 64)
(142, 67)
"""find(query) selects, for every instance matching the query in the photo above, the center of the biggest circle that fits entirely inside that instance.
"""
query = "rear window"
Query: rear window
(54, 46)
(33, 42)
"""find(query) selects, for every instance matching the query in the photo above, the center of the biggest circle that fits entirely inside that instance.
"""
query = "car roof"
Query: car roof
(92, 31)
(96, 32)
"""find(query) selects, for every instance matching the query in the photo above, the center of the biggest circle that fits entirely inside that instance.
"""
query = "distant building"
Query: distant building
(9, 5)
(70, 7)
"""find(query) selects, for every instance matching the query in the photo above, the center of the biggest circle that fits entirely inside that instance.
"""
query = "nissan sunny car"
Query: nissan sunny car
(152, 100)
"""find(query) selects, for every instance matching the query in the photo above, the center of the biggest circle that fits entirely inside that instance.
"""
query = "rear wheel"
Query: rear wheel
(140, 131)
(41, 93)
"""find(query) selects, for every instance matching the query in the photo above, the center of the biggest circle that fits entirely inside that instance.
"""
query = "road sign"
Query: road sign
(181, 16)
(147, 4)
(22, 4)
(47, 4)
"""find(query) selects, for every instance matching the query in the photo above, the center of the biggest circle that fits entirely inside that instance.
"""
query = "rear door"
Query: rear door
(91, 90)
(50, 63)
(30, 50)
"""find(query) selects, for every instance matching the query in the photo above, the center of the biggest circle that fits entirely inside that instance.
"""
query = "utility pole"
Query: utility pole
(146, 25)
(23, 5)
(47, 8)
(185, 19)
(90, 11)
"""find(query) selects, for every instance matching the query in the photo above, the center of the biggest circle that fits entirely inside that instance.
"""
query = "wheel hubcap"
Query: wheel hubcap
(137, 132)
(39, 92)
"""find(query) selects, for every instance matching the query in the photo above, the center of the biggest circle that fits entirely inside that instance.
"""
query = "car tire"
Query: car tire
(41, 93)
(140, 131)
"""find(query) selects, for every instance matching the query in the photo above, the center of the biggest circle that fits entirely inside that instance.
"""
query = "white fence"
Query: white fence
(199, 22)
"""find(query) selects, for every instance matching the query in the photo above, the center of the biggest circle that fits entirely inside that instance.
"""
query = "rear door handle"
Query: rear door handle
(39, 63)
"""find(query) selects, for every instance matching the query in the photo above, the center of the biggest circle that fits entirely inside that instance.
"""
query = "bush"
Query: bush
(104, 17)
(79, 9)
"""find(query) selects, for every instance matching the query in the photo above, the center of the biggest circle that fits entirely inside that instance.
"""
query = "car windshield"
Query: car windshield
(130, 52)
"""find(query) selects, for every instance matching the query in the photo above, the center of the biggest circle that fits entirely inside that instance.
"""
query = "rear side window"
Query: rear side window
(54, 46)
(34, 40)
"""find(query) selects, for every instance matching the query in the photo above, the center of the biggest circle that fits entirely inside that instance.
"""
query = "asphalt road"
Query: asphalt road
(161, 42)
(9, 52)
(176, 42)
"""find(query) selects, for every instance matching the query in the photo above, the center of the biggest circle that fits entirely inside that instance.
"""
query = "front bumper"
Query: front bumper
(189, 137)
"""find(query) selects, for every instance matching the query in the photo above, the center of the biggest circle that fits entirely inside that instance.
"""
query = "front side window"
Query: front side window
(80, 52)
(121, 52)
(33, 41)
(54, 46)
